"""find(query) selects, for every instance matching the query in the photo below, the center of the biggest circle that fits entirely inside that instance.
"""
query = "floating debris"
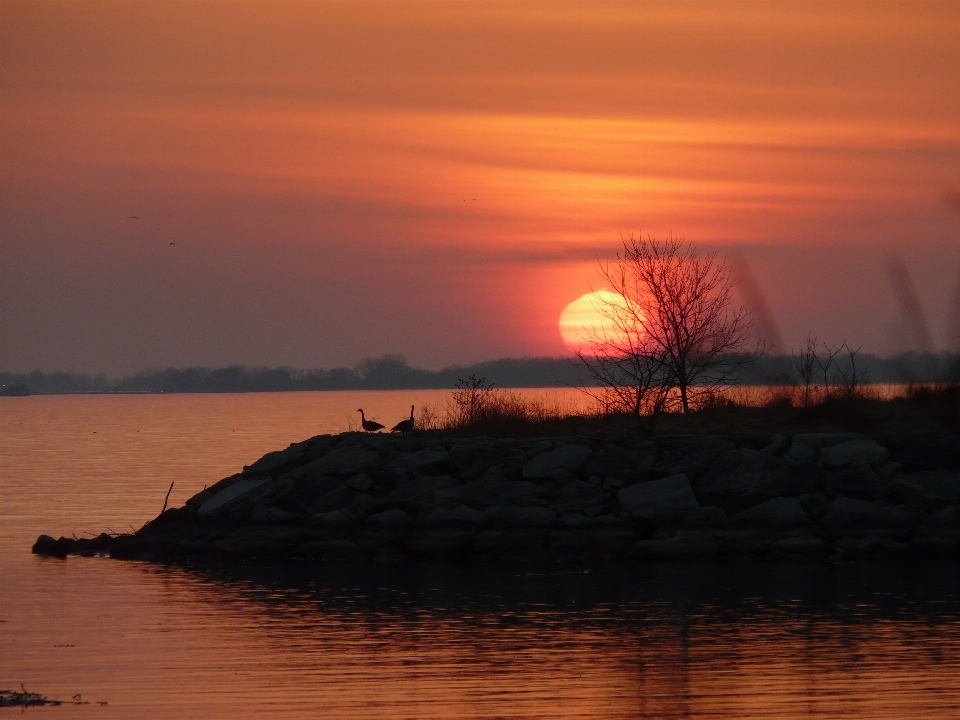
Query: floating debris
(25, 698)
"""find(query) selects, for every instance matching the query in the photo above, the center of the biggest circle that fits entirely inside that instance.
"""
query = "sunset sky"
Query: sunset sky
(315, 183)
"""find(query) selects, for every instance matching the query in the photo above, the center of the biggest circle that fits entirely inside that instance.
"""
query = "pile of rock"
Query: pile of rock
(373, 497)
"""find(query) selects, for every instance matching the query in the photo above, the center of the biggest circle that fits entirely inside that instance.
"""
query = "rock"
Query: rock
(845, 513)
(473, 457)
(666, 499)
(486, 493)
(872, 547)
(463, 515)
(304, 494)
(521, 516)
(360, 482)
(578, 535)
(800, 452)
(337, 499)
(557, 465)
(341, 462)
(577, 521)
(814, 505)
(928, 490)
(742, 478)
(926, 451)
(688, 545)
(779, 512)
(703, 517)
(691, 456)
(578, 496)
(943, 523)
(854, 452)
(509, 543)
(333, 519)
(415, 495)
(440, 543)
(431, 459)
(820, 440)
(858, 481)
(777, 446)
(274, 462)
(362, 506)
(271, 515)
(47, 546)
(800, 545)
(229, 494)
(390, 519)
(617, 465)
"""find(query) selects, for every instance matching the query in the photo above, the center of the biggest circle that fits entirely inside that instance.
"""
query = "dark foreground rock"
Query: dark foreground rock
(377, 498)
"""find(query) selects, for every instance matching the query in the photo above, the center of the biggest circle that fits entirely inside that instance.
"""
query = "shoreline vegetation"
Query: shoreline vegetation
(392, 372)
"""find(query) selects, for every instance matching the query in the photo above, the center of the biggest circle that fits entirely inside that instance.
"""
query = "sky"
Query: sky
(310, 184)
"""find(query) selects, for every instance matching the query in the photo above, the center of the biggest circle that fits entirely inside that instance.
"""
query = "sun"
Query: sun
(582, 322)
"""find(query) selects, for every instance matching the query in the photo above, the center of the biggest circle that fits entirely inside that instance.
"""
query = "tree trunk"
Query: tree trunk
(683, 398)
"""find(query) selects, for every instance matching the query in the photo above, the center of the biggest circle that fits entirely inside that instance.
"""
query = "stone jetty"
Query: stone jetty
(377, 498)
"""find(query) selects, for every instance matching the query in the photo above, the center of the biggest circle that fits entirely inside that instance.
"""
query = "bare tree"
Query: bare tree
(804, 364)
(680, 302)
(826, 360)
(627, 367)
(849, 379)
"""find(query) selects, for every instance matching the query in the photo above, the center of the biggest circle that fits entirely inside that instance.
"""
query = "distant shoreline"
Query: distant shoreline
(392, 372)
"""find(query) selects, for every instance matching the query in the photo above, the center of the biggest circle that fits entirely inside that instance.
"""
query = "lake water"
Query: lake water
(328, 641)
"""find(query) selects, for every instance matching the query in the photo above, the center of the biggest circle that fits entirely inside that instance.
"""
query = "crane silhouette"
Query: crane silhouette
(404, 426)
(368, 425)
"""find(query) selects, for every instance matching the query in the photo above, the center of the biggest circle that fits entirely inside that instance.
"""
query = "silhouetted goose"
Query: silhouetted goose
(404, 426)
(368, 425)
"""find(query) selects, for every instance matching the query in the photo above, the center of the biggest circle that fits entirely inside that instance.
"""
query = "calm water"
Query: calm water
(430, 642)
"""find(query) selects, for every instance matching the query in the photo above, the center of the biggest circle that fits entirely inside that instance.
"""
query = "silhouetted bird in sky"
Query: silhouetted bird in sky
(404, 426)
(133, 217)
(368, 425)
(172, 244)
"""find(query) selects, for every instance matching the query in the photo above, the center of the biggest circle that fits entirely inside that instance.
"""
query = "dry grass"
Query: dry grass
(505, 414)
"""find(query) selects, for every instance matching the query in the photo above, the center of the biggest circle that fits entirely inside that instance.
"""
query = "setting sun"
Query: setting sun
(582, 322)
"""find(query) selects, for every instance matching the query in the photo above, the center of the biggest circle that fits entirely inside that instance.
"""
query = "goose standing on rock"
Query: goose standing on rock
(368, 425)
(404, 426)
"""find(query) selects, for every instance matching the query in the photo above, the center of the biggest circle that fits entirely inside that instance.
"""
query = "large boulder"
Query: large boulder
(416, 494)
(779, 512)
(578, 496)
(486, 493)
(231, 493)
(520, 516)
(557, 465)
(928, 490)
(394, 518)
(857, 480)
(851, 513)
(275, 462)
(460, 516)
(854, 452)
(432, 459)
(577, 534)
(691, 455)
(665, 499)
(622, 463)
(685, 546)
(341, 462)
(742, 478)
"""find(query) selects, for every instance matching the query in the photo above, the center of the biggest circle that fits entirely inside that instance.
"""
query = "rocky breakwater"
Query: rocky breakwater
(360, 498)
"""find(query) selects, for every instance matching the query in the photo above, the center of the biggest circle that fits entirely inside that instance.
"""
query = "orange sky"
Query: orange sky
(437, 178)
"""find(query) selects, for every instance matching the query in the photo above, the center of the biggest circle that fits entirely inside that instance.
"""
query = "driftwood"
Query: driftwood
(166, 499)
(25, 698)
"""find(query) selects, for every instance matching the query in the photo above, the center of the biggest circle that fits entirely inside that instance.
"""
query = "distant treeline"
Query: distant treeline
(391, 372)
